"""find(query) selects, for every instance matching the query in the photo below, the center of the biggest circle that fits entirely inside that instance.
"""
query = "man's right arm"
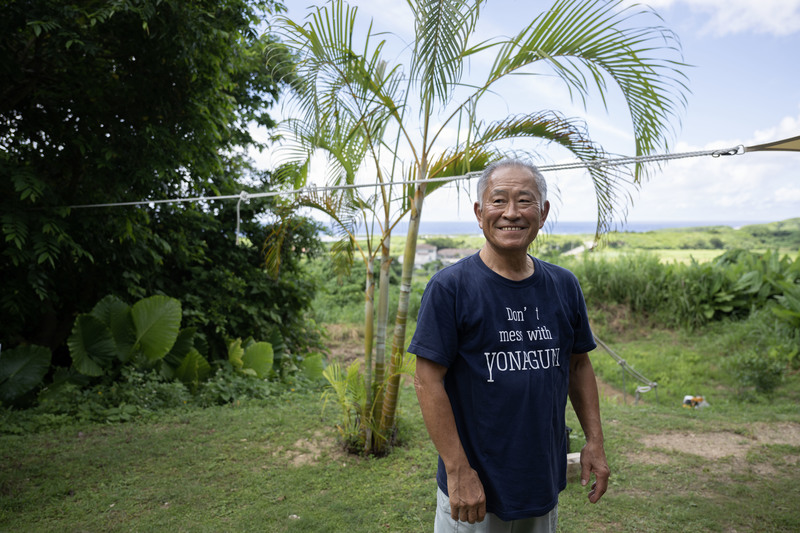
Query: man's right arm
(467, 499)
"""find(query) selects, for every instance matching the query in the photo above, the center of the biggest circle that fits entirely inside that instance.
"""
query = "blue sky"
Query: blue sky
(745, 90)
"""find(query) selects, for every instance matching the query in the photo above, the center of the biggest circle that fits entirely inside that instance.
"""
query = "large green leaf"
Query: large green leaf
(157, 320)
(313, 366)
(183, 344)
(116, 315)
(91, 346)
(22, 369)
(790, 300)
(108, 307)
(258, 357)
(235, 353)
(193, 369)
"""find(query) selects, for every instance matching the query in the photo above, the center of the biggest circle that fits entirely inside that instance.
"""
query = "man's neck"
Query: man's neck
(515, 266)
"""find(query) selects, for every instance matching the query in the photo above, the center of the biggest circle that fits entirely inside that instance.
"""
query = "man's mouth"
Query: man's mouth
(511, 228)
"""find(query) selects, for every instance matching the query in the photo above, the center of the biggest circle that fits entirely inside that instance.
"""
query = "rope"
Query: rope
(313, 188)
(544, 168)
(646, 386)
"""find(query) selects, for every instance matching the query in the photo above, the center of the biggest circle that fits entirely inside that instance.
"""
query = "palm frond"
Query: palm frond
(443, 29)
(337, 80)
(348, 390)
(460, 161)
(589, 44)
(342, 207)
(342, 256)
(272, 249)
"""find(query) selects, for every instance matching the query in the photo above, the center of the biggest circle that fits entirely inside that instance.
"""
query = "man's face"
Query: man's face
(512, 214)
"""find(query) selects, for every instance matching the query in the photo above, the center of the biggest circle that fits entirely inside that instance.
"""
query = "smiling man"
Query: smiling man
(502, 339)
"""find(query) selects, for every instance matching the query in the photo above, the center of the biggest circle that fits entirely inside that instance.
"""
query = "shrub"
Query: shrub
(691, 295)
(229, 386)
(757, 371)
(134, 394)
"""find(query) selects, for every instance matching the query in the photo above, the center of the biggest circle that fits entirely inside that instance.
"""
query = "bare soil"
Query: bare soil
(717, 445)
(345, 343)
(311, 449)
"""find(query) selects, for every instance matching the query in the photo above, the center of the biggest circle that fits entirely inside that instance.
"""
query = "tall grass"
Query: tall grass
(687, 295)
(735, 339)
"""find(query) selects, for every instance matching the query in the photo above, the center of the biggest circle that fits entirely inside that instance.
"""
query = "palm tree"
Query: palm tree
(593, 46)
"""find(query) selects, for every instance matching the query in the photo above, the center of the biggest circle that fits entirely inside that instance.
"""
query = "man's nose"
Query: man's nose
(512, 210)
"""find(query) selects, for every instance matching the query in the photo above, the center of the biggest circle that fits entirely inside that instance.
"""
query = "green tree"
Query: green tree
(116, 101)
(593, 47)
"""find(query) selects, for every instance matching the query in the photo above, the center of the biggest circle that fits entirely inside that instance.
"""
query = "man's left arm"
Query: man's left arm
(586, 402)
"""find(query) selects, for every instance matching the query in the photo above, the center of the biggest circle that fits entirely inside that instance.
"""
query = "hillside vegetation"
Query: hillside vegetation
(783, 236)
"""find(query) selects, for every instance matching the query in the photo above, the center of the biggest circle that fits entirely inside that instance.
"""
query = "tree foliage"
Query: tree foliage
(121, 101)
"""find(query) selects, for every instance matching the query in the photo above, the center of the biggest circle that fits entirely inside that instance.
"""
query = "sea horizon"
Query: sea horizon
(569, 227)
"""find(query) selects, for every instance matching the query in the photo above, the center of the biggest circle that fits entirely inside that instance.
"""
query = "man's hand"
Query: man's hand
(467, 499)
(586, 402)
(593, 460)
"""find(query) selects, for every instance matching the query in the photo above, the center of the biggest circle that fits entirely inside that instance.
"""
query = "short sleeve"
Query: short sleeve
(436, 336)
(584, 338)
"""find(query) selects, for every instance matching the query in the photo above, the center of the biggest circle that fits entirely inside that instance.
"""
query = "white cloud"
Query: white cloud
(749, 187)
(726, 17)
(787, 194)
(788, 127)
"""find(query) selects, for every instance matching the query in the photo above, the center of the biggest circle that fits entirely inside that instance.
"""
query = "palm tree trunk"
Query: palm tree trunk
(383, 318)
(369, 325)
(399, 339)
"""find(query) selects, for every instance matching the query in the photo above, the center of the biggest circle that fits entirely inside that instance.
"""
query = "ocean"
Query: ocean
(564, 228)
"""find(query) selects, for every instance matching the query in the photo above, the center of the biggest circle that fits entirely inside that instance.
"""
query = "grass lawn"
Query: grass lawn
(275, 466)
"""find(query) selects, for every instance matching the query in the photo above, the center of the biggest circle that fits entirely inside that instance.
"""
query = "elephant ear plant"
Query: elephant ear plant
(21, 370)
(114, 333)
(146, 336)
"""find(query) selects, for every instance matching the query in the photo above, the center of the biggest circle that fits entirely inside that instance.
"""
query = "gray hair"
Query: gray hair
(541, 183)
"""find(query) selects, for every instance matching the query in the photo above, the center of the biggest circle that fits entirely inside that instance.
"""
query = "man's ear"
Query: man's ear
(477, 208)
(545, 212)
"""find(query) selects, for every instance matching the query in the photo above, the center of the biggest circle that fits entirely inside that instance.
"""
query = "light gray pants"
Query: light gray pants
(491, 524)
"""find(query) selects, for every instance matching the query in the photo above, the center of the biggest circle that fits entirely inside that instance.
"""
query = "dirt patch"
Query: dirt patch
(310, 450)
(345, 343)
(617, 396)
(719, 444)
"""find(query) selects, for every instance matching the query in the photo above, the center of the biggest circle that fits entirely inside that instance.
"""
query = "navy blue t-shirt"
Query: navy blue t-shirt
(507, 347)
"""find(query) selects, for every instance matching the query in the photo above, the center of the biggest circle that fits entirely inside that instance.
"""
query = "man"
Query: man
(501, 340)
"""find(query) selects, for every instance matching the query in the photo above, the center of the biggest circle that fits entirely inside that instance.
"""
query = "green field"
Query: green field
(679, 244)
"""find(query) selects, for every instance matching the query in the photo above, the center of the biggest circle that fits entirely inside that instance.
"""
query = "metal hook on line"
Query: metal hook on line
(729, 151)
(242, 196)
